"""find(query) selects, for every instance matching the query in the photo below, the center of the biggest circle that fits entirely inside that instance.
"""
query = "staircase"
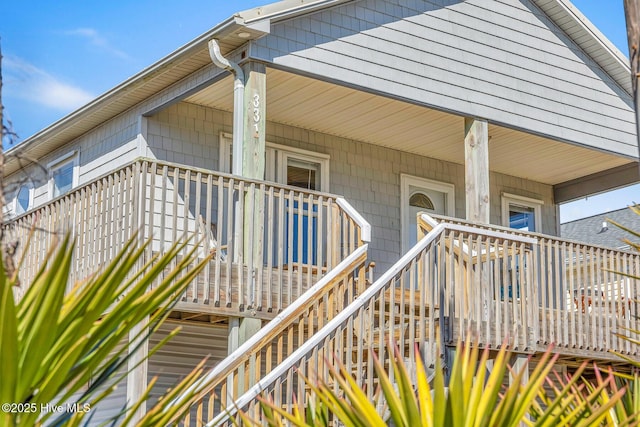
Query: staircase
(459, 281)
(278, 339)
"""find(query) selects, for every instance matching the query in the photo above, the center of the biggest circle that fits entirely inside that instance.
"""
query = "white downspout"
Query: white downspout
(238, 103)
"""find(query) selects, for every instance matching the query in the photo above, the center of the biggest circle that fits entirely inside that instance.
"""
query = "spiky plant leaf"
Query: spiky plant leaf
(416, 402)
(53, 341)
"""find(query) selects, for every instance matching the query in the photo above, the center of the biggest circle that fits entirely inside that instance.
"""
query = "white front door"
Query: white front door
(422, 195)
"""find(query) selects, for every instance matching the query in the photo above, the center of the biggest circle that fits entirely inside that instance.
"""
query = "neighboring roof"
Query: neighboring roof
(598, 229)
(194, 55)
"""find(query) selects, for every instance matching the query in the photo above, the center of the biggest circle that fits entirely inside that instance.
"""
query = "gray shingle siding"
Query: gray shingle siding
(367, 175)
(103, 149)
(508, 63)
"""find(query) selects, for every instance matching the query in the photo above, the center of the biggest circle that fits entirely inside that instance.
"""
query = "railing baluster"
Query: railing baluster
(128, 227)
(573, 290)
(259, 246)
(174, 186)
(208, 230)
(221, 215)
(186, 204)
(249, 242)
(239, 244)
(161, 208)
(152, 211)
(281, 248)
(299, 254)
(232, 240)
(271, 222)
(311, 260)
(200, 233)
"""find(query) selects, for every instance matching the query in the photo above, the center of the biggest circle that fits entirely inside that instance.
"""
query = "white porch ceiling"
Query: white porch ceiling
(328, 108)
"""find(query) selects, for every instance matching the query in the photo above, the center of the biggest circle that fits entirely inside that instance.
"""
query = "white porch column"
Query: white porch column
(476, 165)
(520, 363)
(137, 376)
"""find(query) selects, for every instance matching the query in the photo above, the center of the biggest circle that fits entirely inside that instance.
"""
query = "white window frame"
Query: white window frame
(276, 159)
(407, 181)
(509, 199)
(71, 157)
(285, 153)
(224, 162)
(30, 203)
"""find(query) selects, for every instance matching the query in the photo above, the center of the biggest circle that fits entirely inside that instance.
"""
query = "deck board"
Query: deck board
(279, 287)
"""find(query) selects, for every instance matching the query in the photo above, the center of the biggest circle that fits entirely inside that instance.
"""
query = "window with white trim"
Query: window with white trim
(521, 213)
(286, 165)
(63, 174)
(305, 170)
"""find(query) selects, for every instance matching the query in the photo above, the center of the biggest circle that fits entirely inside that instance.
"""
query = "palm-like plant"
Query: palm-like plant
(474, 397)
(52, 343)
(635, 233)
(630, 403)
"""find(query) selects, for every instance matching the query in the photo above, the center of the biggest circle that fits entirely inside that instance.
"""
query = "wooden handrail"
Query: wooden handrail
(351, 268)
(459, 279)
(347, 316)
(365, 228)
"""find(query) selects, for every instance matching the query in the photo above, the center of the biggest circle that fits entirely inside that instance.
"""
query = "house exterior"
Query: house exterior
(300, 140)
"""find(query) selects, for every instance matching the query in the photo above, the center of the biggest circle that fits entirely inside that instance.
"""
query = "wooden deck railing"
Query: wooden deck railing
(102, 215)
(270, 242)
(499, 285)
(277, 340)
(578, 297)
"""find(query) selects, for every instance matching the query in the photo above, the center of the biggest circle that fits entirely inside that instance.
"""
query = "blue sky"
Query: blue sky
(59, 55)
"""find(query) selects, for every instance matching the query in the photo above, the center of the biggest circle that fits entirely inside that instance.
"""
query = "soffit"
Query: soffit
(348, 113)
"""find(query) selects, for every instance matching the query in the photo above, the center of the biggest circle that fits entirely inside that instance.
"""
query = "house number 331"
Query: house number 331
(256, 113)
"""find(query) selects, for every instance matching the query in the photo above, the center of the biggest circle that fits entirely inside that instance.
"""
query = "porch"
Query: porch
(535, 290)
(269, 243)
(461, 281)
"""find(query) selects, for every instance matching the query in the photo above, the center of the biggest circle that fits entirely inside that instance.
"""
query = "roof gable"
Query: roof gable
(562, 12)
(504, 60)
(191, 57)
(587, 36)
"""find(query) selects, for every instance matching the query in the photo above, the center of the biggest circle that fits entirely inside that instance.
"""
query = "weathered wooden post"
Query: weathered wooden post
(253, 166)
(476, 164)
(632, 14)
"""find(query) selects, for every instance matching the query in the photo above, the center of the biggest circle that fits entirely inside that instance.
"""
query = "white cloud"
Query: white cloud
(28, 82)
(97, 40)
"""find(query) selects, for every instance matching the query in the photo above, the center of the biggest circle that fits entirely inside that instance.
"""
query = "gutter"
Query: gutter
(275, 12)
(238, 102)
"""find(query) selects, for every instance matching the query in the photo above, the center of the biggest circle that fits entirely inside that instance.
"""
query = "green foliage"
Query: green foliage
(475, 397)
(635, 233)
(53, 343)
